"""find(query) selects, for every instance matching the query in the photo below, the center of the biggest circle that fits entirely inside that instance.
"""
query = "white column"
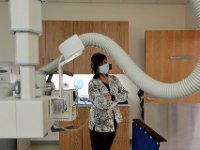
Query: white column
(27, 74)
(26, 24)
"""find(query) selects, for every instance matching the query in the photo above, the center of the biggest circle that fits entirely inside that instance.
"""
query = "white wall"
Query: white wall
(7, 52)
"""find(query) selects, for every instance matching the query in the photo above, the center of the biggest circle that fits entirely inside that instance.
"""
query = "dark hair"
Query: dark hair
(140, 92)
(96, 60)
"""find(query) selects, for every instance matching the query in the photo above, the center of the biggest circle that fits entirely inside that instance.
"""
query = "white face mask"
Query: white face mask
(104, 68)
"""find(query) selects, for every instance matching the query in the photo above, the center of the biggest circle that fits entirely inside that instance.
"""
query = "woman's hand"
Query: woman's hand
(108, 97)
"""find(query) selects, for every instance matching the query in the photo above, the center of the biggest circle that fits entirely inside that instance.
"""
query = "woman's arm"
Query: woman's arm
(99, 98)
(121, 94)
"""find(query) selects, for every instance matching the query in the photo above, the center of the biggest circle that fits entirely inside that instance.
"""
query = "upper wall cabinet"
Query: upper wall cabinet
(117, 31)
(82, 63)
(170, 57)
(55, 32)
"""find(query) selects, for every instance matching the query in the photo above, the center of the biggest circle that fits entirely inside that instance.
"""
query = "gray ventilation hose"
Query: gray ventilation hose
(180, 89)
(196, 8)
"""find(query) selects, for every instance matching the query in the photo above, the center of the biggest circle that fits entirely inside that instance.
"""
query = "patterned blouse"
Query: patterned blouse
(103, 112)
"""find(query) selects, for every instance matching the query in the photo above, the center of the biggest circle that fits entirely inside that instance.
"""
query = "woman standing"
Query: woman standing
(105, 91)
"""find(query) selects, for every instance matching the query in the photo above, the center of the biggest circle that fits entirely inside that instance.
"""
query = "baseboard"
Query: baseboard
(44, 142)
(53, 142)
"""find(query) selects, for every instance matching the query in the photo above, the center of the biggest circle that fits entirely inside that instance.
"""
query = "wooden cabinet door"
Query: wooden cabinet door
(86, 132)
(121, 141)
(56, 33)
(171, 56)
(82, 63)
(77, 140)
(118, 31)
(73, 140)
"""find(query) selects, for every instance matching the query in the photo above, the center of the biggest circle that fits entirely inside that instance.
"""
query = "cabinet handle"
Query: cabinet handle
(181, 57)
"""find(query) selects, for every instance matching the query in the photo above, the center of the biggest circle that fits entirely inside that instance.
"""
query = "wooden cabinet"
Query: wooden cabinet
(80, 140)
(170, 57)
(55, 32)
(82, 63)
(117, 31)
(73, 140)
(122, 141)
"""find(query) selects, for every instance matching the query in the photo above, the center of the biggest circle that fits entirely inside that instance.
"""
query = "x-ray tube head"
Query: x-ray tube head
(71, 58)
(71, 48)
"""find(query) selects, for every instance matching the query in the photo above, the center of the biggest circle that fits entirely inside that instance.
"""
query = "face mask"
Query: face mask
(104, 68)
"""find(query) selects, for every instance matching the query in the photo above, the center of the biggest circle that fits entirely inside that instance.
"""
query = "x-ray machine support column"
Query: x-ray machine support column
(26, 25)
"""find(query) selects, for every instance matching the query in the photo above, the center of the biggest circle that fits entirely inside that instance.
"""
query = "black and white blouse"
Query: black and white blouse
(104, 112)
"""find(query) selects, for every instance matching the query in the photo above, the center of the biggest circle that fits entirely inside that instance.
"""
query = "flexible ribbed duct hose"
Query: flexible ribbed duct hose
(196, 7)
(181, 89)
(51, 67)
